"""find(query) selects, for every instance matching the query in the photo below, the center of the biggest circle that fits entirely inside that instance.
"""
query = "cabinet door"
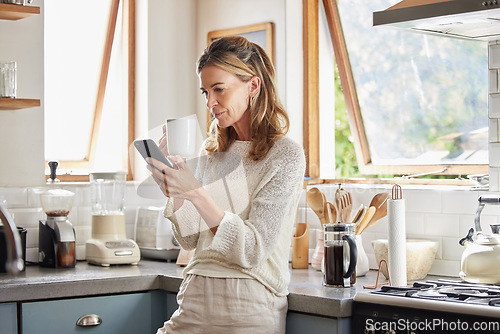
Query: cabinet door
(298, 323)
(8, 318)
(124, 314)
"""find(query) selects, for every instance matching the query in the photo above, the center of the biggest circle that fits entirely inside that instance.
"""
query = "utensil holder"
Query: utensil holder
(362, 265)
(300, 246)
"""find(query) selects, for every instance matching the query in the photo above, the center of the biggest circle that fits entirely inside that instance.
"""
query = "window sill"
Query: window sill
(464, 184)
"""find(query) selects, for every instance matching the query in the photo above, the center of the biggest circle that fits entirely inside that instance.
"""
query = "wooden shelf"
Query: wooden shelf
(16, 12)
(7, 103)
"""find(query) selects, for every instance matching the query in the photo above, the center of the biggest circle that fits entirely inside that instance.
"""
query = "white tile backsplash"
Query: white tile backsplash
(494, 56)
(494, 174)
(494, 154)
(493, 81)
(441, 225)
(494, 105)
(423, 201)
(442, 214)
(493, 130)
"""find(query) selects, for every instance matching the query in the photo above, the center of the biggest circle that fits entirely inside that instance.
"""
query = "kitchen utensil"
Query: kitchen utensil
(359, 214)
(338, 237)
(316, 200)
(338, 195)
(420, 255)
(343, 200)
(56, 235)
(379, 201)
(480, 261)
(346, 201)
(333, 212)
(327, 211)
(365, 220)
(109, 244)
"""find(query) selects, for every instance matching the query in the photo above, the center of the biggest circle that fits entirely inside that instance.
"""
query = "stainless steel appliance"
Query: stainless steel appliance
(14, 262)
(109, 243)
(56, 236)
(154, 235)
(471, 19)
(433, 306)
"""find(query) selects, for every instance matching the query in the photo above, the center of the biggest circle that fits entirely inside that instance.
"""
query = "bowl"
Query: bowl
(420, 255)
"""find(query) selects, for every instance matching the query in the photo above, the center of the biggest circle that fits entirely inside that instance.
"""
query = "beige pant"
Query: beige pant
(226, 305)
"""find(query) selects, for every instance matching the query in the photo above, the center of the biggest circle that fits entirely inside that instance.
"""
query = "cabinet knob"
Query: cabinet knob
(89, 320)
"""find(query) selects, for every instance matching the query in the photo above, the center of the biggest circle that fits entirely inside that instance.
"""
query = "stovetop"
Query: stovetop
(440, 295)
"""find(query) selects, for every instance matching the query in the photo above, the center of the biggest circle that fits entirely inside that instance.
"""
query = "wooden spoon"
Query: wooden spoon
(359, 214)
(316, 200)
(365, 220)
(333, 212)
(379, 201)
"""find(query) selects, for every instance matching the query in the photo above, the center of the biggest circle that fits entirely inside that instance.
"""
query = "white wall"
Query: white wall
(21, 131)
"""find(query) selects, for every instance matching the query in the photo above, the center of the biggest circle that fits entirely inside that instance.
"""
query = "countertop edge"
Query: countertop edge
(306, 293)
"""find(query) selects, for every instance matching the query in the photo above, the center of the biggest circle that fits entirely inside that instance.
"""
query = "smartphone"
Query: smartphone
(148, 149)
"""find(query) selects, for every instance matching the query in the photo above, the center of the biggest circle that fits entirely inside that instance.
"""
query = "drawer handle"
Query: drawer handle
(89, 320)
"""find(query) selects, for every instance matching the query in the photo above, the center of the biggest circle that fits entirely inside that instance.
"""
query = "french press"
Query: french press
(340, 255)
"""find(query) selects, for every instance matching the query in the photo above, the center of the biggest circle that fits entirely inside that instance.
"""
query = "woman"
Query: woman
(237, 211)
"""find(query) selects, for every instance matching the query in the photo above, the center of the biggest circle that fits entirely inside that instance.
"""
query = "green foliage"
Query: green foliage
(345, 158)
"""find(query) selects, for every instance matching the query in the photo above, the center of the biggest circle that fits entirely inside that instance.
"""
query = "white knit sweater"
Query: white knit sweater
(260, 201)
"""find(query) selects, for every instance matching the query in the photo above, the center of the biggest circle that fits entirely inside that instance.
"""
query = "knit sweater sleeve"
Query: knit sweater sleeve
(249, 242)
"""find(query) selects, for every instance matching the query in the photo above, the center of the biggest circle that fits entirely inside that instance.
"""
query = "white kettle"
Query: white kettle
(481, 258)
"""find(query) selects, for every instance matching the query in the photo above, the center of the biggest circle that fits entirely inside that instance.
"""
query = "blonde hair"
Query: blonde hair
(268, 119)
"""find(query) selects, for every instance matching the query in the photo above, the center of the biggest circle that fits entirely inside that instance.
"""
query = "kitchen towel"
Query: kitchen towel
(397, 242)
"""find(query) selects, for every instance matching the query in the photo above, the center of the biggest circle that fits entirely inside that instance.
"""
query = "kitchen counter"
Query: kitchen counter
(307, 294)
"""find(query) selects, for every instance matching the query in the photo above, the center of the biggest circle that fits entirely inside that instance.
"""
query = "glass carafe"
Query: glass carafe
(107, 196)
(340, 255)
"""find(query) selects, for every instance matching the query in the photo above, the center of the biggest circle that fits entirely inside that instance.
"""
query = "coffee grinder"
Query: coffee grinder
(56, 236)
(109, 244)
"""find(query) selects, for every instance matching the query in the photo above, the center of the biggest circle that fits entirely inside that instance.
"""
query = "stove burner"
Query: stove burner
(448, 290)
(429, 293)
(463, 292)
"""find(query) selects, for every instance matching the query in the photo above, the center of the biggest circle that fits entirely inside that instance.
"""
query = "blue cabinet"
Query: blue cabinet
(297, 323)
(8, 318)
(124, 314)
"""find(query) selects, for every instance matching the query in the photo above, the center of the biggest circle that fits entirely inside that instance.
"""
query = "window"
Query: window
(88, 85)
(417, 103)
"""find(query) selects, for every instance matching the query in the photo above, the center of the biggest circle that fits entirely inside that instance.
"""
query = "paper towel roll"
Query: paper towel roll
(397, 242)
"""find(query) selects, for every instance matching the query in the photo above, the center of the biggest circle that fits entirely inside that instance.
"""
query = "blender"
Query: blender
(108, 243)
(56, 237)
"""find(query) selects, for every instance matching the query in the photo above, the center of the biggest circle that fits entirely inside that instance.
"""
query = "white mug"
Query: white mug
(181, 137)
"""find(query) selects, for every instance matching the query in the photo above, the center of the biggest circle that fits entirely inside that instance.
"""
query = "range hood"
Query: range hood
(470, 19)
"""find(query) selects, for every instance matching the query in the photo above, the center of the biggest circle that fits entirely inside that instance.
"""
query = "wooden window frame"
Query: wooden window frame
(128, 13)
(311, 109)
